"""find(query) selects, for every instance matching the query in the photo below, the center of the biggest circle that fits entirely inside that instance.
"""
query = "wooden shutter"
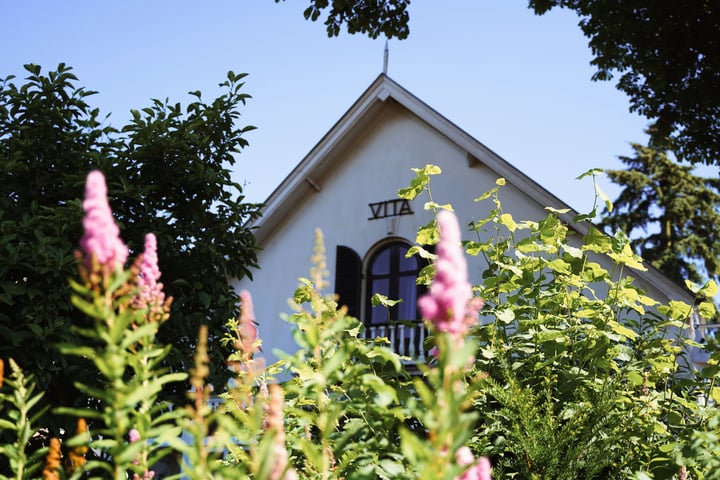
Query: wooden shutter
(348, 275)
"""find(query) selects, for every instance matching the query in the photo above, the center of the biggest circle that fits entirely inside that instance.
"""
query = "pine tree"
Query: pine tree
(672, 214)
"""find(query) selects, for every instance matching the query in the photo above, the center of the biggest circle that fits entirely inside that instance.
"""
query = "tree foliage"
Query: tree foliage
(671, 213)
(667, 56)
(373, 17)
(167, 170)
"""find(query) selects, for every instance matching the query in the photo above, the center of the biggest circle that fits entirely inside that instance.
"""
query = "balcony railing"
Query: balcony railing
(704, 333)
(406, 338)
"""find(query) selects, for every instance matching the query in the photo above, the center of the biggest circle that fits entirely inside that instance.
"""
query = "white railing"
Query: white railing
(214, 402)
(704, 332)
(405, 340)
(709, 330)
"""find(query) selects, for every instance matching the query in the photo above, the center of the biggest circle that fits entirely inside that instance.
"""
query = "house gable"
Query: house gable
(347, 187)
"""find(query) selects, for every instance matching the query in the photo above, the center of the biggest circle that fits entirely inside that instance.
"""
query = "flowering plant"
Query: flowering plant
(577, 372)
(536, 389)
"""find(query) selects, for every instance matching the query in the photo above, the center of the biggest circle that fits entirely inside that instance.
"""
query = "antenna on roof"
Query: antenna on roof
(385, 58)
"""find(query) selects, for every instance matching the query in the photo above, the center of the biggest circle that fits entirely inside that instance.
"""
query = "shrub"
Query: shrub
(580, 374)
(558, 380)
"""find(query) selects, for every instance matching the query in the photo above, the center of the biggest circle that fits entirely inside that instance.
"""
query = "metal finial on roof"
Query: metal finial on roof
(385, 58)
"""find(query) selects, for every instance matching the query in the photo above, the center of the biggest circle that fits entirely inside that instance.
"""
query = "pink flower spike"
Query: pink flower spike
(248, 313)
(101, 236)
(133, 435)
(479, 471)
(483, 468)
(464, 456)
(151, 293)
(148, 475)
(447, 305)
(247, 331)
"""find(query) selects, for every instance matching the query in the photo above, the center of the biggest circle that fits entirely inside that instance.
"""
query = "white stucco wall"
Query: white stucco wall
(372, 171)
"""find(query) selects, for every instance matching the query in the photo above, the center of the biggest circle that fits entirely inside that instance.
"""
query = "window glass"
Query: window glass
(407, 310)
(391, 274)
(408, 265)
(381, 263)
(379, 314)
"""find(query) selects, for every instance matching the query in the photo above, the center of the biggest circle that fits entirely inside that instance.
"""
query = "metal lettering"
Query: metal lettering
(390, 208)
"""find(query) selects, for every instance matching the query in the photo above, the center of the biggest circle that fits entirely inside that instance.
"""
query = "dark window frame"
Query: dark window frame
(397, 270)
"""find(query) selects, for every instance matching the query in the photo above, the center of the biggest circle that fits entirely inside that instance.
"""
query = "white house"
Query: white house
(347, 186)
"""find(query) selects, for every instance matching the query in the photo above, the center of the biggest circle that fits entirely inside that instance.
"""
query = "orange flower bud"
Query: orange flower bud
(52, 461)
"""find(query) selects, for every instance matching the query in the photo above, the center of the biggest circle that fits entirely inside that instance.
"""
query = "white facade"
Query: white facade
(363, 161)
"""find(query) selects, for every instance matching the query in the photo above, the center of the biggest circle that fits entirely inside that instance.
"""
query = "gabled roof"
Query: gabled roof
(370, 107)
(365, 112)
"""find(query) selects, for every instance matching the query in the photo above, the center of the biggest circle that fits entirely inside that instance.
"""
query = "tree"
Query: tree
(671, 213)
(668, 57)
(666, 53)
(372, 17)
(167, 174)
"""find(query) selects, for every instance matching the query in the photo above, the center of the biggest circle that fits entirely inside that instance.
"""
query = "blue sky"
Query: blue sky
(517, 82)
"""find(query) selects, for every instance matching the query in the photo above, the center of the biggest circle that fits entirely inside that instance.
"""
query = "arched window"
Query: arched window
(390, 273)
(386, 271)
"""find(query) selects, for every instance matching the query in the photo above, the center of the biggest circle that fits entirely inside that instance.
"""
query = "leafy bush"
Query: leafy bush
(581, 375)
(343, 413)
(572, 372)
(168, 171)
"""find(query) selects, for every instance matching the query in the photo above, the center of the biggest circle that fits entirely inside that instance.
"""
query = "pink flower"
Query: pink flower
(464, 456)
(134, 436)
(448, 304)
(147, 475)
(150, 290)
(247, 333)
(479, 471)
(274, 422)
(102, 236)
